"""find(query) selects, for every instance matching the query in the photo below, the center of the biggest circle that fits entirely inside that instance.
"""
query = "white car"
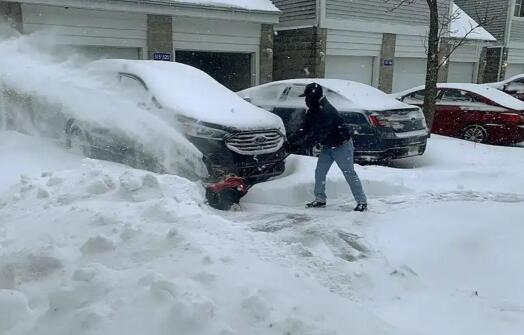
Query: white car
(513, 86)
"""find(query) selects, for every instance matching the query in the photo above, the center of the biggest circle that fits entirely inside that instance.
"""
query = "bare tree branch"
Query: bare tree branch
(481, 19)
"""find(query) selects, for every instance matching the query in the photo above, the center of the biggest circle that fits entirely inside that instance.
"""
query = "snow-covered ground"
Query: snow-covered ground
(91, 247)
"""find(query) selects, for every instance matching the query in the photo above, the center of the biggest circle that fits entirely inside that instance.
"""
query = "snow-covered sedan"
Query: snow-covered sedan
(234, 136)
(384, 128)
(473, 112)
(513, 86)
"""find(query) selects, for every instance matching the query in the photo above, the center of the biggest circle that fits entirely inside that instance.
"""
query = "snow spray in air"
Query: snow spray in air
(42, 89)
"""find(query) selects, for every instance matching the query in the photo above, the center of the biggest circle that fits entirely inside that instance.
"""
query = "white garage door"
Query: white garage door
(408, 73)
(92, 52)
(353, 68)
(514, 69)
(461, 72)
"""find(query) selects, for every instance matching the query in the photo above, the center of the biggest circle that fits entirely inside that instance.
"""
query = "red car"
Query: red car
(473, 112)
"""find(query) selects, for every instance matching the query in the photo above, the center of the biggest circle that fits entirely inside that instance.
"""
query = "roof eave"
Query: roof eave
(173, 9)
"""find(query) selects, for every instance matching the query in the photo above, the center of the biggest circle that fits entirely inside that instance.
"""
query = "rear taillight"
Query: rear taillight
(379, 120)
(512, 117)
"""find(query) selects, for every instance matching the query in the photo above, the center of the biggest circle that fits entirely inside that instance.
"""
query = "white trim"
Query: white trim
(283, 28)
(322, 15)
(167, 9)
(375, 27)
(509, 21)
(255, 69)
(377, 66)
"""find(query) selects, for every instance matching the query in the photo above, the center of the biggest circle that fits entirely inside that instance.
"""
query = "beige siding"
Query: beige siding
(215, 35)
(352, 43)
(297, 12)
(377, 10)
(517, 30)
(74, 26)
(410, 46)
(467, 53)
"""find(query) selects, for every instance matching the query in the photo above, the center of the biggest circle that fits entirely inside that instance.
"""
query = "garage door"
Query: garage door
(461, 72)
(353, 68)
(514, 69)
(93, 52)
(231, 69)
(408, 73)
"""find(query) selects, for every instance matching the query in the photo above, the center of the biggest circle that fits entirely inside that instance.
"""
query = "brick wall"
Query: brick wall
(299, 53)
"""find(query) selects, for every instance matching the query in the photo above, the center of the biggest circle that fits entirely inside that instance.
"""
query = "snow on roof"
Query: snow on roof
(359, 95)
(191, 92)
(463, 24)
(489, 92)
(259, 5)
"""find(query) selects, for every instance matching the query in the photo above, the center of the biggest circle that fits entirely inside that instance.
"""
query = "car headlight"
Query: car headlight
(195, 129)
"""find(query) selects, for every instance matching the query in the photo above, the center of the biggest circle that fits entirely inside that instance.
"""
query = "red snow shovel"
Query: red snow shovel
(226, 192)
(230, 189)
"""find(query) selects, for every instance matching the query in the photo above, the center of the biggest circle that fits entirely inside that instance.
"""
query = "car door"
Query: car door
(448, 112)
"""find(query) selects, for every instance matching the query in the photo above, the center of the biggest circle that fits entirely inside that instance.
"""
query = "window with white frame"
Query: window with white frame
(519, 8)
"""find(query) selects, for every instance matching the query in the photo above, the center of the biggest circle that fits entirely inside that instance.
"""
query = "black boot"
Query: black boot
(361, 208)
(316, 204)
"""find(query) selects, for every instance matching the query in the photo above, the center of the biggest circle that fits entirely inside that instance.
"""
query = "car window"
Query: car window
(291, 98)
(462, 98)
(515, 86)
(134, 87)
(457, 96)
(265, 97)
(415, 98)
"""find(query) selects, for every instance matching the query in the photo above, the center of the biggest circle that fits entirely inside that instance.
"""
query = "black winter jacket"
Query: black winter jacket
(323, 126)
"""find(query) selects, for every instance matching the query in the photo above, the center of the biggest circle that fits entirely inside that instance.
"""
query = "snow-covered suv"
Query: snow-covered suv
(234, 136)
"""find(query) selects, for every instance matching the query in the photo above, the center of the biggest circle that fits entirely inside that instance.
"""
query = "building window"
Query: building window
(519, 8)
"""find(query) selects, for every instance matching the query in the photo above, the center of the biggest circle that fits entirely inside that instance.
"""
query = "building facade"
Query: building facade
(368, 41)
(234, 45)
(506, 23)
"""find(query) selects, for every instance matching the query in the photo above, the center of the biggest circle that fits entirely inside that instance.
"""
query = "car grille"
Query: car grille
(255, 142)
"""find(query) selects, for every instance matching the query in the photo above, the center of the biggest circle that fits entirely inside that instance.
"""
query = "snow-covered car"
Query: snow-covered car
(513, 86)
(234, 136)
(473, 112)
(384, 128)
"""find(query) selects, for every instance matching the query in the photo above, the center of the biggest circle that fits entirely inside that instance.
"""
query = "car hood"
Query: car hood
(187, 91)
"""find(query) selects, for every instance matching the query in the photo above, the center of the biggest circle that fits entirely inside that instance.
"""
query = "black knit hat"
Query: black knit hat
(312, 90)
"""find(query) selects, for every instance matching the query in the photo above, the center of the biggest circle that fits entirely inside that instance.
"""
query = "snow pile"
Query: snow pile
(464, 26)
(438, 252)
(61, 89)
(101, 248)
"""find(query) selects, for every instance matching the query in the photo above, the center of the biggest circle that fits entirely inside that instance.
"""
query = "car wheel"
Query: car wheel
(78, 141)
(475, 133)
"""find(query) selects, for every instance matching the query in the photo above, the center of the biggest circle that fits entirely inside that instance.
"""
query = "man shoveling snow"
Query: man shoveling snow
(323, 125)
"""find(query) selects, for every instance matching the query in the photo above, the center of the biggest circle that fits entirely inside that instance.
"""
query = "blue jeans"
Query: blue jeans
(343, 155)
